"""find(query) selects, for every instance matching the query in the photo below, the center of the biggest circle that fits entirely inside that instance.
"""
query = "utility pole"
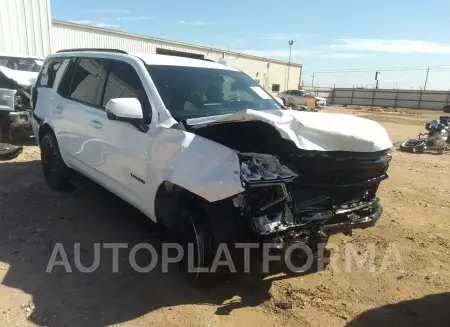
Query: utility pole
(377, 78)
(426, 79)
(289, 65)
(312, 82)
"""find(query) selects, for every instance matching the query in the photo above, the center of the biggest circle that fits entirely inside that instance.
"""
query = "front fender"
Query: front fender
(201, 166)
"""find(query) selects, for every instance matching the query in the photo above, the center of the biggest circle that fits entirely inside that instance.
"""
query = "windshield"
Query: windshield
(193, 92)
(22, 64)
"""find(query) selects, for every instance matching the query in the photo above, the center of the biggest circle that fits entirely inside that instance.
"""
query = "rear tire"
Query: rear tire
(55, 171)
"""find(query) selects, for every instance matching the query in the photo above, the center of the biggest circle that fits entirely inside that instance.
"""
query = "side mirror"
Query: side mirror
(125, 109)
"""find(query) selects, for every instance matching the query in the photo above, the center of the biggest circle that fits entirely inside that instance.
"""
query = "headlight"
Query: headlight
(8, 99)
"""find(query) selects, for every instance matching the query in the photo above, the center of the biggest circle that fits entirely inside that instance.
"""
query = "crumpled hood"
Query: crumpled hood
(20, 77)
(314, 131)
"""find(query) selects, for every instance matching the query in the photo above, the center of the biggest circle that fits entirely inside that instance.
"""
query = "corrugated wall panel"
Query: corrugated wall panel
(66, 37)
(267, 71)
(25, 27)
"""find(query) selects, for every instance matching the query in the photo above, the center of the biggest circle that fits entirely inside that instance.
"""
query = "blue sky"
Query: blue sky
(328, 35)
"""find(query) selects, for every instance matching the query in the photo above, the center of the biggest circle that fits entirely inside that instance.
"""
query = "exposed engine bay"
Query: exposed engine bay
(292, 194)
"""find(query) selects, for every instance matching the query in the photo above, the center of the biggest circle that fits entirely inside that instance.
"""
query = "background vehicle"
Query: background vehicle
(299, 98)
(202, 149)
(17, 76)
(437, 137)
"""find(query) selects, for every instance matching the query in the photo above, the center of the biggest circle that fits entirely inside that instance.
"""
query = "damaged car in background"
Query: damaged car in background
(17, 77)
(201, 148)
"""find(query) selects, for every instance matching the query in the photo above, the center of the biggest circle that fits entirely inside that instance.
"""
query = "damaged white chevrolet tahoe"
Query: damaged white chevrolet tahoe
(201, 148)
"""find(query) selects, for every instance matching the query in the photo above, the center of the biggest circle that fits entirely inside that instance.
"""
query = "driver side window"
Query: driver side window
(124, 82)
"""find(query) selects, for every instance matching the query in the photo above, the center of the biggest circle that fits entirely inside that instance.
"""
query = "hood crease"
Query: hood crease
(313, 131)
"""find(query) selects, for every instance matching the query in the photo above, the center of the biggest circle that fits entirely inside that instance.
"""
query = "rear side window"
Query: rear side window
(88, 81)
(84, 80)
(66, 80)
(124, 82)
(48, 72)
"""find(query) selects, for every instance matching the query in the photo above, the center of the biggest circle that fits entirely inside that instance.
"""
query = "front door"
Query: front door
(122, 149)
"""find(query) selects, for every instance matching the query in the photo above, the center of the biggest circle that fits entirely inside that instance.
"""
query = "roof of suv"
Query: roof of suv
(155, 59)
(149, 59)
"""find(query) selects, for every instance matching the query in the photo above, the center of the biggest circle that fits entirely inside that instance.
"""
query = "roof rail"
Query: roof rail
(93, 49)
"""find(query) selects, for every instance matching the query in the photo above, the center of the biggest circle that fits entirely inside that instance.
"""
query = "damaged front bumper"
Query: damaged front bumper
(15, 122)
(20, 120)
(13, 114)
(343, 220)
(335, 194)
(354, 221)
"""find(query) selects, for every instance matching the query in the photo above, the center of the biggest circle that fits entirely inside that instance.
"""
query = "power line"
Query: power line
(397, 69)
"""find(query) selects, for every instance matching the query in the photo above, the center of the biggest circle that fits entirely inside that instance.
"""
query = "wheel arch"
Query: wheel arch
(44, 129)
(168, 198)
(47, 128)
(223, 219)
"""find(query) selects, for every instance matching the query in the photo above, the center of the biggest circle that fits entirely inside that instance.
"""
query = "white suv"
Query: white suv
(201, 148)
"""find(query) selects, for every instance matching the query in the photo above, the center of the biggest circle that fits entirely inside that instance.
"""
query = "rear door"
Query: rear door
(43, 92)
(79, 99)
(300, 98)
(290, 97)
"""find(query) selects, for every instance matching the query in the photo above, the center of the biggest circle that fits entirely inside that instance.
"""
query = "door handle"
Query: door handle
(96, 124)
(59, 109)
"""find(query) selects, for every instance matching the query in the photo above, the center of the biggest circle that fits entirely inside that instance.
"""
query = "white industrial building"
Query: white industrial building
(26, 27)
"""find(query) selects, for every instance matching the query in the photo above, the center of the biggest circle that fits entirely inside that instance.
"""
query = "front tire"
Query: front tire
(194, 230)
(55, 171)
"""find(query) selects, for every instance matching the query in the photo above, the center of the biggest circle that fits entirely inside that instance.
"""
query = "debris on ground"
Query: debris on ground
(9, 151)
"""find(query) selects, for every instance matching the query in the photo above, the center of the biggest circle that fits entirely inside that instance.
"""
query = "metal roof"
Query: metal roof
(149, 59)
(169, 42)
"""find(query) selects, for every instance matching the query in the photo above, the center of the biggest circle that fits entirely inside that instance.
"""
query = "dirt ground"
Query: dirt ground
(408, 285)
